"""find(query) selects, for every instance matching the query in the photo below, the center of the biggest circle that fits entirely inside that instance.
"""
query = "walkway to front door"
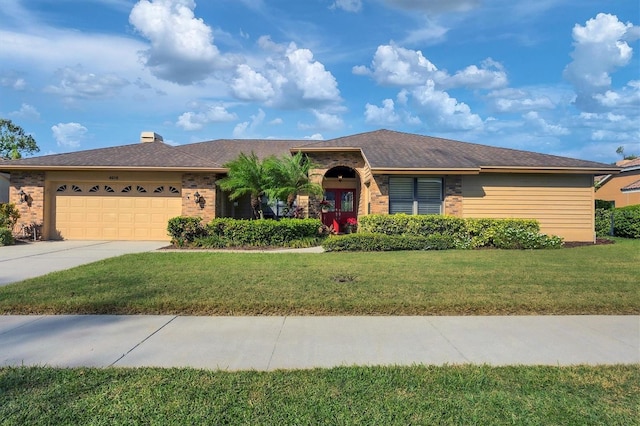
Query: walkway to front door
(342, 206)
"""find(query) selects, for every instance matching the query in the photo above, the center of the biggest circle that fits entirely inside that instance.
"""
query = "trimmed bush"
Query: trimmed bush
(603, 222)
(265, 232)
(382, 242)
(521, 239)
(9, 215)
(626, 222)
(6, 237)
(466, 233)
(183, 230)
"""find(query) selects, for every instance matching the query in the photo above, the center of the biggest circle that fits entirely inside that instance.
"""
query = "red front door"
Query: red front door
(342, 206)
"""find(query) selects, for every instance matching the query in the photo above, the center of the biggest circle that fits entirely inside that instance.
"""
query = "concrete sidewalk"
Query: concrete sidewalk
(269, 343)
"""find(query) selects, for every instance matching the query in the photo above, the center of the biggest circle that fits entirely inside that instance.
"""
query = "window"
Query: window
(61, 188)
(94, 188)
(415, 195)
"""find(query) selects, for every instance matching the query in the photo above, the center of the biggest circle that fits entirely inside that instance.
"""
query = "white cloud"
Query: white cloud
(251, 85)
(324, 121)
(396, 66)
(26, 112)
(543, 126)
(290, 78)
(381, 116)
(348, 5)
(69, 134)
(441, 111)
(13, 81)
(246, 129)
(628, 98)
(490, 75)
(76, 83)
(518, 100)
(600, 47)
(182, 48)
(393, 65)
(198, 120)
(315, 137)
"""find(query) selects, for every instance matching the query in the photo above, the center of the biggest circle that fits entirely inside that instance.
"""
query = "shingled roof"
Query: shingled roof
(151, 155)
(386, 149)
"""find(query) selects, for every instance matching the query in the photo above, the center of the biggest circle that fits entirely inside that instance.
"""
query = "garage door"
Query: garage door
(127, 211)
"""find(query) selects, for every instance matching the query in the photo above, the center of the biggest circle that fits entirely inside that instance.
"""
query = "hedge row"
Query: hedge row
(468, 233)
(508, 238)
(225, 232)
(626, 221)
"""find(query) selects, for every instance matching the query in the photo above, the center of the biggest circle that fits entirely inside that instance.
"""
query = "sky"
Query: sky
(553, 76)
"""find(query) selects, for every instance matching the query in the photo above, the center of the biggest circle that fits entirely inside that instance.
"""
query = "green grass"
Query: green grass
(482, 395)
(584, 280)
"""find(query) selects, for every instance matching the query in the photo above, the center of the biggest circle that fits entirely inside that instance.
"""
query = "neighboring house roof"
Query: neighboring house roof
(635, 186)
(384, 150)
(626, 167)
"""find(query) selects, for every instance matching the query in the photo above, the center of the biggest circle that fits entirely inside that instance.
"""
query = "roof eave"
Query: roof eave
(552, 169)
(9, 168)
(424, 170)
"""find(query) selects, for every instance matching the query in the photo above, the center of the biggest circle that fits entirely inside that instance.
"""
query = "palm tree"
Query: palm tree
(246, 175)
(289, 176)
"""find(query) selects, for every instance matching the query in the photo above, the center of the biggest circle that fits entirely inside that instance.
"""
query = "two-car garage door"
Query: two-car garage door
(108, 211)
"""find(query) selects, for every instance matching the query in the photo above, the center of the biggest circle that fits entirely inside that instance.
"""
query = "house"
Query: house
(622, 188)
(129, 192)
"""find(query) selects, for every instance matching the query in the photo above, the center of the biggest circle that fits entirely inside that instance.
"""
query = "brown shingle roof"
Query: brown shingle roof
(224, 150)
(139, 155)
(383, 149)
(386, 149)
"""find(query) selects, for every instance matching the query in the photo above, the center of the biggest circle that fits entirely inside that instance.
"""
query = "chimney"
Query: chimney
(150, 137)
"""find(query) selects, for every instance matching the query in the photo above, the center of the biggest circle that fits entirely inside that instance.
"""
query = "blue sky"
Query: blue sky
(553, 76)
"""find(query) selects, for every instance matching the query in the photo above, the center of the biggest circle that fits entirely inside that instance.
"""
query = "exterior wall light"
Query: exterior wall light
(24, 197)
(197, 197)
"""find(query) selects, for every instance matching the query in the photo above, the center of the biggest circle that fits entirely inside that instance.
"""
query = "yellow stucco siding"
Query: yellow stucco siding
(562, 204)
(611, 190)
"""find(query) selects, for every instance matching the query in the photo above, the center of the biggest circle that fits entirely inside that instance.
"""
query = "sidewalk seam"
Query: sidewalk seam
(142, 341)
(448, 341)
(275, 344)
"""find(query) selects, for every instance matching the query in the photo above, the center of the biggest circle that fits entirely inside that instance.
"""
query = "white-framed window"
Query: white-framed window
(415, 195)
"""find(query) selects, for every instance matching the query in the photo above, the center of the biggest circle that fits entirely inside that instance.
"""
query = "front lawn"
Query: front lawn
(583, 280)
(419, 395)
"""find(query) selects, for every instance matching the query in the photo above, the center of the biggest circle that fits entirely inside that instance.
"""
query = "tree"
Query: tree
(620, 151)
(246, 175)
(14, 142)
(287, 177)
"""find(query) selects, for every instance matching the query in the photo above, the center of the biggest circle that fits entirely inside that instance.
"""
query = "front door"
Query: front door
(341, 206)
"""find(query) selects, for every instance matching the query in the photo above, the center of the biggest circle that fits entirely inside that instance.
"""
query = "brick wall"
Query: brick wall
(31, 183)
(328, 160)
(453, 195)
(204, 184)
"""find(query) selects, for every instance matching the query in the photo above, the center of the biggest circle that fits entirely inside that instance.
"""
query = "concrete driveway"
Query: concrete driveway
(28, 260)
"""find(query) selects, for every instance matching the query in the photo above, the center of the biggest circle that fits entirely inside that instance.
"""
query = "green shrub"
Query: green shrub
(603, 204)
(383, 242)
(9, 215)
(467, 233)
(266, 232)
(603, 222)
(627, 222)
(6, 237)
(522, 239)
(183, 230)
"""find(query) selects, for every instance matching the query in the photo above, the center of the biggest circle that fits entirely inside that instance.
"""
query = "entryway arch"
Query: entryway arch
(341, 185)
